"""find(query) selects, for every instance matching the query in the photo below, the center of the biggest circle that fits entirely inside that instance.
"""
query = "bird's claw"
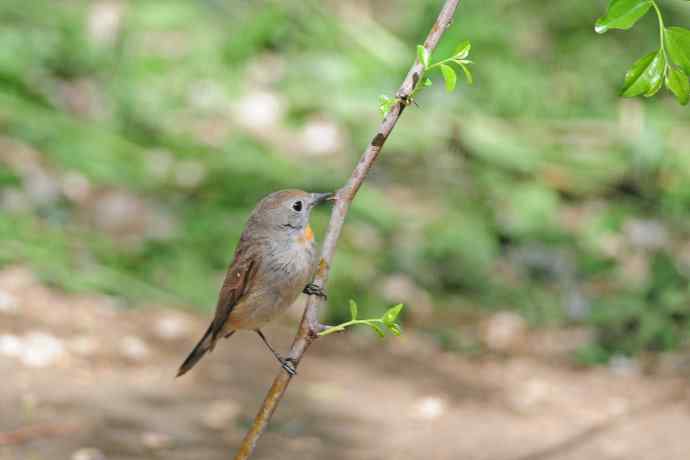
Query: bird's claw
(289, 365)
(313, 289)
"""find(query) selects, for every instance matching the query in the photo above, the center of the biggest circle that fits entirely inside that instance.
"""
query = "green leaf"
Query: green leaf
(385, 104)
(466, 71)
(622, 14)
(353, 309)
(378, 330)
(423, 56)
(677, 83)
(657, 82)
(427, 82)
(462, 50)
(395, 329)
(678, 45)
(449, 77)
(644, 76)
(391, 314)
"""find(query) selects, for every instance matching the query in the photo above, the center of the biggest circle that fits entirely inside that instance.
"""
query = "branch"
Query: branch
(309, 326)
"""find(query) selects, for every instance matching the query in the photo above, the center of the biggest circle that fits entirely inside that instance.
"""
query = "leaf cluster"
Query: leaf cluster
(388, 320)
(669, 65)
(446, 66)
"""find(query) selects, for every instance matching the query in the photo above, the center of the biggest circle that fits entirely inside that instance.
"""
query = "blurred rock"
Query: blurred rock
(624, 366)
(118, 211)
(39, 349)
(189, 173)
(84, 345)
(400, 288)
(103, 22)
(221, 414)
(259, 110)
(429, 408)
(8, 303)
(504, 331)
(134, 348)
(41, 188)
(171, 327)
(128, 217)
(321, 137)
(154, 440)
(646, 233)
(10, 345)
(88, 453)
(159, 163)
(76, 187)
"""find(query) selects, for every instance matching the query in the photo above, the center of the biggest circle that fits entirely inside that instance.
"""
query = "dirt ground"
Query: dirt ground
(84, 380)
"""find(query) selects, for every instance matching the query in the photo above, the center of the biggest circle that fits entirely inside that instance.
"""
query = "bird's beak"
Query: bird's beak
(318, 198)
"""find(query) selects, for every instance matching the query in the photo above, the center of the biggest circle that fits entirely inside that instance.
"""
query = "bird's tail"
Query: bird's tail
(204, 345)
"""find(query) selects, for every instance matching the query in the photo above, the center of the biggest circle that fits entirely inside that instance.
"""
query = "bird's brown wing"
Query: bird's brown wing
(238, 279)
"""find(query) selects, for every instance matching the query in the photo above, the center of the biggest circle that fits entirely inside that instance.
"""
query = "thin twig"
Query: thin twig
(310, 326)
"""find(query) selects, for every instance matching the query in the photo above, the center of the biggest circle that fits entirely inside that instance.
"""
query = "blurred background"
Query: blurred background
(534, 224)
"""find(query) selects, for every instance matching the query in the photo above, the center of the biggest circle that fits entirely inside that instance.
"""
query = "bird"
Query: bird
(274, 261)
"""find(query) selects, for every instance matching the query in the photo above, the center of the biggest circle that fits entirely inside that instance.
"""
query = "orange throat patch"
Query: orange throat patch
(308, 233)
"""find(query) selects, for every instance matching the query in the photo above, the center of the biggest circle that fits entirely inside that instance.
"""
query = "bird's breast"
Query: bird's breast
(284, 272)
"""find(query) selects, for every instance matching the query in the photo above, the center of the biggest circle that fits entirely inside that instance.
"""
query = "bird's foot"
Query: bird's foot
(313, 289)
(289, 365)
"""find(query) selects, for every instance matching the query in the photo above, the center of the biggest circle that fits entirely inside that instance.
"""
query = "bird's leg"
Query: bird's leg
(287, 363)
(313, 289)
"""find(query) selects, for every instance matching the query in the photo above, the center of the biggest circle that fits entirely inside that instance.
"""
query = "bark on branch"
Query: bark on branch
(310, 326)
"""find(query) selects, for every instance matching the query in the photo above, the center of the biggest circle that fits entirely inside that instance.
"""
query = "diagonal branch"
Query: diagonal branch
(310, 326)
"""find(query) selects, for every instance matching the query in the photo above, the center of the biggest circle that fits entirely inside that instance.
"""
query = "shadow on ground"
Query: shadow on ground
(84, 379)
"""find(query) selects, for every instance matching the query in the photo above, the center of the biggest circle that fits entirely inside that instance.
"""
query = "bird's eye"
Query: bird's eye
(297, 206)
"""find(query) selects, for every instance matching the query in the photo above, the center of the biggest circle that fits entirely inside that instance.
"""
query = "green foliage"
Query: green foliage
(657, 320)
(388, 320)
(622, 14)
(513, 193)
(449, 77)
(669, 65)
(677, 82)
(645, 76)
(677, 42)
(459, 58)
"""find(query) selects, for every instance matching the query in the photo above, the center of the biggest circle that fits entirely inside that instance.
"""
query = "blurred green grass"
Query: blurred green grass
(537, 189)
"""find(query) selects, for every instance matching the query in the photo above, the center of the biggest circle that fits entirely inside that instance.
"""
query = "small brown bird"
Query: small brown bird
(274, 262)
